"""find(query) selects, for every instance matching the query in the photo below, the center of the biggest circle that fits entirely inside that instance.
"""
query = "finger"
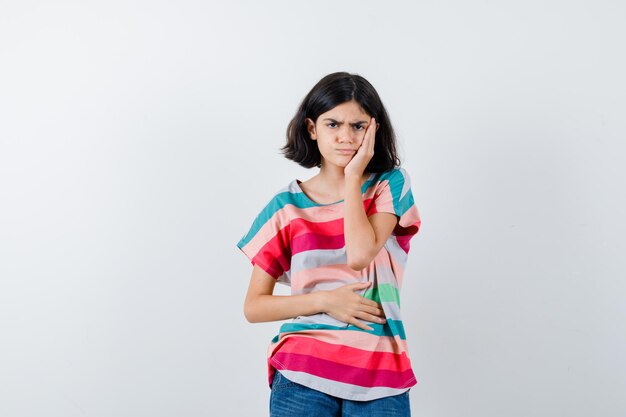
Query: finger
(371, 303)
(370, 136)
(367, 136)
(373, 311)
(358, 285)
(371, 133)
(358, 323)
(373, 136)
(371, 318)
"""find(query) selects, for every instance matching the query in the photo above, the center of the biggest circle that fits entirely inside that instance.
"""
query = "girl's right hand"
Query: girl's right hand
(345, 305)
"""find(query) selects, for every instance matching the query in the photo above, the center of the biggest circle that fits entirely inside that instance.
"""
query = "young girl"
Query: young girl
(340, 240)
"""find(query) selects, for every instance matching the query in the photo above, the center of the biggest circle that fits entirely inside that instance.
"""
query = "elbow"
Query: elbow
(247, 315)
(357, 259)
(358, 264)
(250, 313)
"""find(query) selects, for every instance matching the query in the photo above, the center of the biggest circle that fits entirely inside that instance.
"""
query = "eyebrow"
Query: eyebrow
(360, 122)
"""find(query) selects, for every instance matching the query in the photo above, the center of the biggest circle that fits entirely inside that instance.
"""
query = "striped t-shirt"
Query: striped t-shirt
(301, 244)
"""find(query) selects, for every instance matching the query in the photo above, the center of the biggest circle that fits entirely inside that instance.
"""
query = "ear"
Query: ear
(377, 126)
(310, 127)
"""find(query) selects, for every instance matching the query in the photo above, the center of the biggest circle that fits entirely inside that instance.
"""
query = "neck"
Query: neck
(334, 177)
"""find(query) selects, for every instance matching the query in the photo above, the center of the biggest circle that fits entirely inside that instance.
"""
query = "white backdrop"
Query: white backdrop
(138, 140)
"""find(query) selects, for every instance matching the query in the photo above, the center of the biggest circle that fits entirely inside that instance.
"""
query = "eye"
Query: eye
(358, 127)
(331, 124)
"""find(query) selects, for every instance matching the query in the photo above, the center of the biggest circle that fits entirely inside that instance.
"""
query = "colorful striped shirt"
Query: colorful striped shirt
(301, 244)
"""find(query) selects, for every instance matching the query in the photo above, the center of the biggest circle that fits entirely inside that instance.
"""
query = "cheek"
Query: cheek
(323, 146)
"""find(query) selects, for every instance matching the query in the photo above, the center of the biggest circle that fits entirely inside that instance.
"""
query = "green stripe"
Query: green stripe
(390, 328)
(383, 293)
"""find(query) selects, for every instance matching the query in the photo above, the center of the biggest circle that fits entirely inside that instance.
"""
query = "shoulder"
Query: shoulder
(396, 173)
(273, 216)
(279, 199)
(289, 200)
(395, 178)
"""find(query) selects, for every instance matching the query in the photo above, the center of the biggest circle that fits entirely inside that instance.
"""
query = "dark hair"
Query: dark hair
(331, 91)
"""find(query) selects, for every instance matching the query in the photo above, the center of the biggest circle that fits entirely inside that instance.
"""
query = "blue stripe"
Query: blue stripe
(279, 201)
(397, 180)
(390, 328)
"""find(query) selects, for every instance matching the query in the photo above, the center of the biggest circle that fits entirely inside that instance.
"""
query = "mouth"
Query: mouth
(346, 151)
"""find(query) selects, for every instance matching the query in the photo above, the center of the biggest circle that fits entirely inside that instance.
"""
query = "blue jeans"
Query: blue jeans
(289, 399)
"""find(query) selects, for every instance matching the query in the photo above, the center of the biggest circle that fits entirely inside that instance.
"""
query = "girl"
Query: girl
(340, 240)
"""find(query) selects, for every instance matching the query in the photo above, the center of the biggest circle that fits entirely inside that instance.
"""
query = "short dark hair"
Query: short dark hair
(331, 91)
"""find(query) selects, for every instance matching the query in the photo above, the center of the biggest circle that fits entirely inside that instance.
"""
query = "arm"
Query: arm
(342, 303)
(364, 237)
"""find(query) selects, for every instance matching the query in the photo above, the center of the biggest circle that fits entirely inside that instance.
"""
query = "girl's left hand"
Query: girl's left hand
(362, 157)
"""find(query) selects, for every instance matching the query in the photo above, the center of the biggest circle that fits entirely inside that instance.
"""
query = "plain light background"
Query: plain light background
(139, 139)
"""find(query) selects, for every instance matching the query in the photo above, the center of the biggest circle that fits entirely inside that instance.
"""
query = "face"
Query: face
(339, 132)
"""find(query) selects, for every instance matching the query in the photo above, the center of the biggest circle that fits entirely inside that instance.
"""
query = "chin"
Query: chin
(339, 162)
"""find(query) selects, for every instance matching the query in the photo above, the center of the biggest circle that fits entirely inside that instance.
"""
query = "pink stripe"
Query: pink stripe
(403, 242)
(313, 241)
(347, 355)
(324, 215)
(274, 256)
(382, 258)
(333, 227)
(411, 218)
(267, 232)
(342, 373)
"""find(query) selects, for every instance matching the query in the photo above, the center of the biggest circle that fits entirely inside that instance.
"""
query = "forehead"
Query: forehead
(350, 110)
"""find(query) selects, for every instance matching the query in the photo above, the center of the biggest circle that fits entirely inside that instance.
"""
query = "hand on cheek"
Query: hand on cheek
(364, 154)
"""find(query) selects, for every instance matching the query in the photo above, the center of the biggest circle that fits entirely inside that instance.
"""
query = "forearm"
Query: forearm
(342, 304)
(264, 308)
(359, 235)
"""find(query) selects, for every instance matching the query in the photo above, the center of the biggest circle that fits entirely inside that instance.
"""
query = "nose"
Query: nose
(345, 135)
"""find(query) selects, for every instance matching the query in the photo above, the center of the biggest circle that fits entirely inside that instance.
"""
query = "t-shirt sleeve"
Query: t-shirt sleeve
(266, 244)
(394, 196)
